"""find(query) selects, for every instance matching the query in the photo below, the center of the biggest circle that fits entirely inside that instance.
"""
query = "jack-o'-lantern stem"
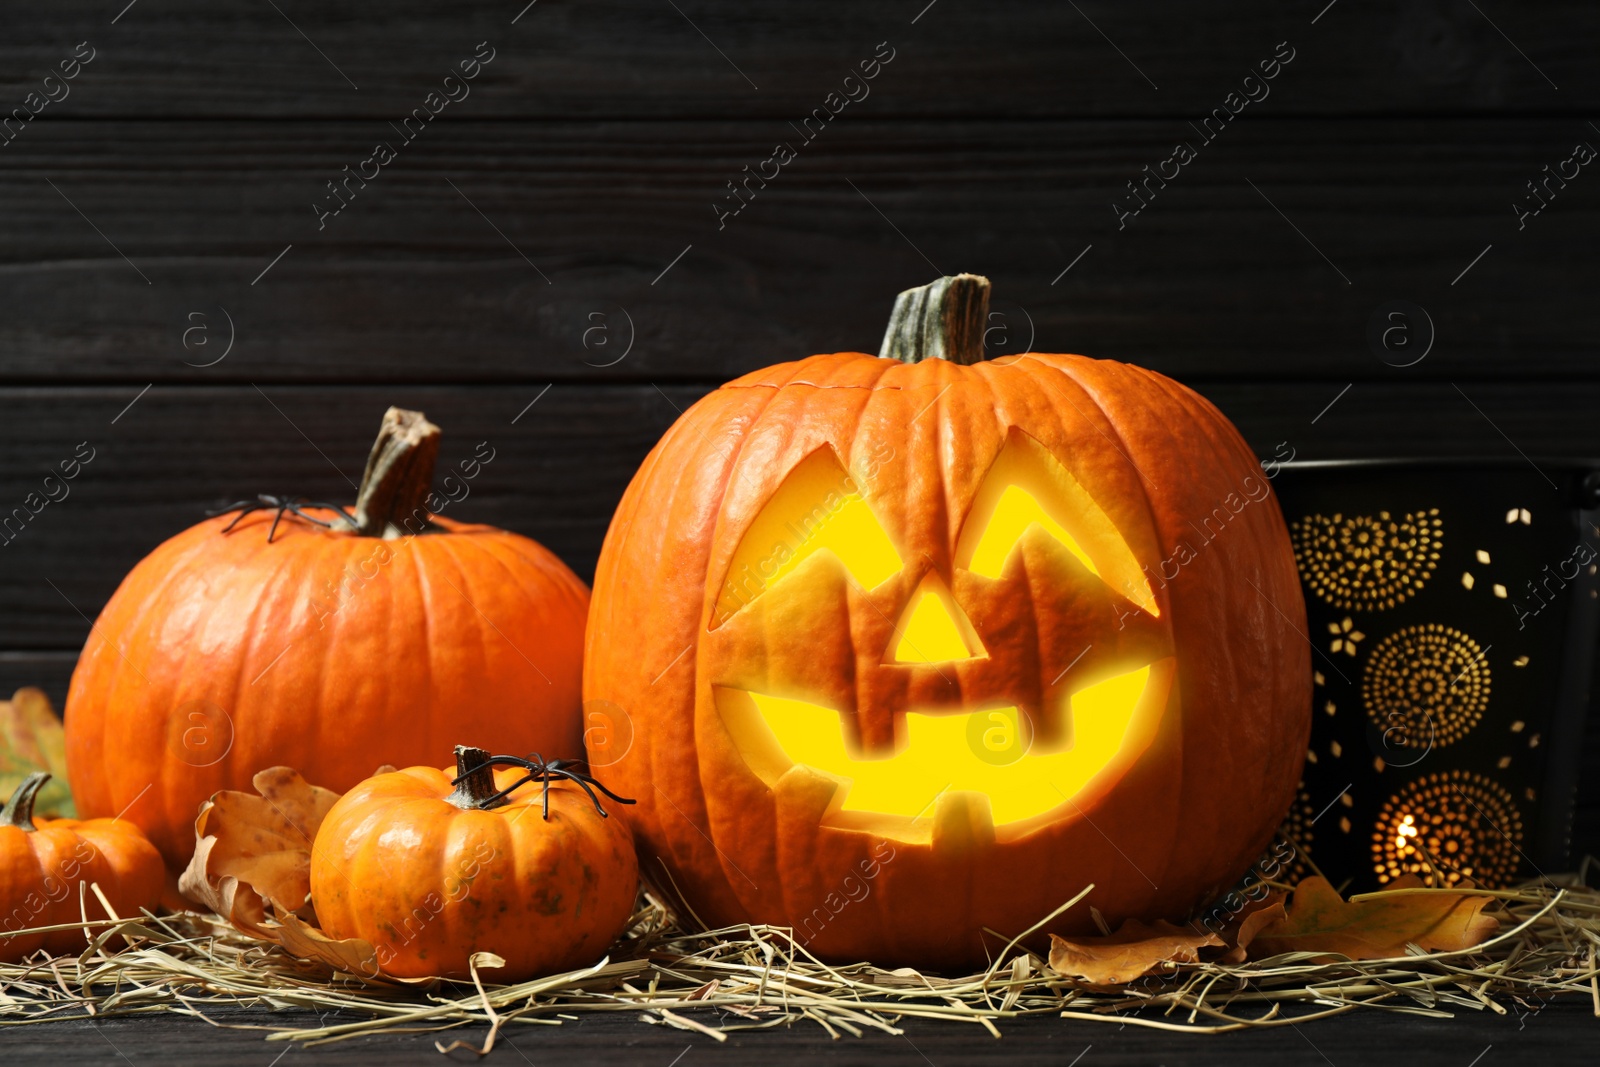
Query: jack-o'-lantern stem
(475, 786)
(392, 501)
(944, 319)
(18, 811)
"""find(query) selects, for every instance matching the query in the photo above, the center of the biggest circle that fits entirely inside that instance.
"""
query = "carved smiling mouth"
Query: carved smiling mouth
(989, 752)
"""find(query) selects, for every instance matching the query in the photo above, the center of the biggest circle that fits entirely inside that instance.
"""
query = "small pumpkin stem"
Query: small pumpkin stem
(18, 811)
(394, 491)
(944, 319)
(475, 786)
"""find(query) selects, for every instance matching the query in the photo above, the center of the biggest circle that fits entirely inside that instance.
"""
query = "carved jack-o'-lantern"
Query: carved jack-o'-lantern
(892, 650)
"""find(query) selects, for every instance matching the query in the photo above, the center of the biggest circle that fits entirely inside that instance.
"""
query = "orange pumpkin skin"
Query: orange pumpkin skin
(332, 653)
(41, 871)
(1158, 835)
(429, 883)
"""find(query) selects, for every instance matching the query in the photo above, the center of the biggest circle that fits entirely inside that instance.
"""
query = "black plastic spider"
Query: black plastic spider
(538, 770)
(293, 505)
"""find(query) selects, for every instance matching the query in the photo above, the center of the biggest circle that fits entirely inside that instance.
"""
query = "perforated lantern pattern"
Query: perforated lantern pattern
(1441, 604)
(1431, 682)
(1467, 823)
(1367, 562)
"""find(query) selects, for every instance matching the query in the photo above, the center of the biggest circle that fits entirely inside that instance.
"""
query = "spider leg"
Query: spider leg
(243, 509)
(508, 790)
(294, 505)
(544, 772)
(458, 779)
(296, 510)
(345, 515)
(275, 520)
(620, 800)
(592, 798)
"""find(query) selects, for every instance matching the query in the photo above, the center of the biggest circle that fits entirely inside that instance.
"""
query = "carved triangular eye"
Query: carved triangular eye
(1027, 487)
(817, 509)
(933, 628)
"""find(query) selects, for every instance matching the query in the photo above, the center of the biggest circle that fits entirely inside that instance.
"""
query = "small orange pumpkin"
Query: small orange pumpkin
(431, 866)
(42, 866)
(324, 642)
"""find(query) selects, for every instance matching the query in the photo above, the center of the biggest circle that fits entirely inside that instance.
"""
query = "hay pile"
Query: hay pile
(756, 977)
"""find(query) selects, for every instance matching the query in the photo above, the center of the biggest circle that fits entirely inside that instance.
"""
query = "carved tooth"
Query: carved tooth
(962, 822)
(804, 795)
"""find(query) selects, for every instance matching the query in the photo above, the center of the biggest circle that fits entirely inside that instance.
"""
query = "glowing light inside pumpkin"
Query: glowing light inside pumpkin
(930, 631)
(817, 509)
(937, 753)
(850, 531)
(1013, 514)
(1026, 487)
(1407, 828)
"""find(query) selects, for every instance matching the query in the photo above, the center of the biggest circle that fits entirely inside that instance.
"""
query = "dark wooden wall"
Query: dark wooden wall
(563, 213)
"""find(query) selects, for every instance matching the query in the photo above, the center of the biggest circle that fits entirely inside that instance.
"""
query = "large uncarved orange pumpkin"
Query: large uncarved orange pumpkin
(247, 642)
(895, 649)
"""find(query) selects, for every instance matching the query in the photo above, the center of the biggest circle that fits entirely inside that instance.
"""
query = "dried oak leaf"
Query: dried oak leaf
(1133, 951)
(1250, 925)
(255, 850)
(351, 955)
(31, 739)
(236, 902)
(1241, 929)
(1318, 920)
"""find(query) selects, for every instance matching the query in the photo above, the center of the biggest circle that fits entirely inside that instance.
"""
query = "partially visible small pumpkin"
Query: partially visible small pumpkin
(43, 864)
(431, 866)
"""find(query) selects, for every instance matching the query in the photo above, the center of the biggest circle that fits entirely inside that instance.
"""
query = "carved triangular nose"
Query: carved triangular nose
(933, 628)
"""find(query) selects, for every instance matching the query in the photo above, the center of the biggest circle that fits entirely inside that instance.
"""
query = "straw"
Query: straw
(743, 978)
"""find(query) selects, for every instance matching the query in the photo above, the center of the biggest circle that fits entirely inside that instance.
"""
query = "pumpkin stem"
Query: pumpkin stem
(18, 811)
(475, 786)
(399, 476)
(944, 319)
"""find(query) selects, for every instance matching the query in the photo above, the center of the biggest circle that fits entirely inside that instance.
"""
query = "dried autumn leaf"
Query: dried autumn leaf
(1133, 951)
(1242, 928)
(252, 866)
(31, 739)
(1379, 927)
(254, 850)
(224, 894)
(1255, 922)
(351, 955)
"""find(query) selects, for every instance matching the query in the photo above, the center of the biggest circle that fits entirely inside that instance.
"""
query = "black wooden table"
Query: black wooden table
(1564, 1032)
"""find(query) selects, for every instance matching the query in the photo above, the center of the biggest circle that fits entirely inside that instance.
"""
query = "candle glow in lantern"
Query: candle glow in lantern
(1452, 613)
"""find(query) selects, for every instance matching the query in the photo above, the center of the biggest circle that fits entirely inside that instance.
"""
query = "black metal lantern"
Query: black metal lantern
(1452, 610)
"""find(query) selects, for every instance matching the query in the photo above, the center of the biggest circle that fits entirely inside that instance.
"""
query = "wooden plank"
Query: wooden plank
(559, 468)
(495, 251)
(556, 474)
(49, 670)
(707, 58)
(1555, 1033)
